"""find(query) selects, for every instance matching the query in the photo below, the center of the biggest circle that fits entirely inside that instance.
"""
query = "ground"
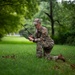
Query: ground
(20, 59)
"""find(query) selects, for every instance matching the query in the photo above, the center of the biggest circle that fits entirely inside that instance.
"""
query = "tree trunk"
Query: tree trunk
(51, 18)
(52, 27)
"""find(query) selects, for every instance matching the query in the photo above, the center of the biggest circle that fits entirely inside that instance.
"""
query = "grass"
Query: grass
(25, 61)
(15, 40)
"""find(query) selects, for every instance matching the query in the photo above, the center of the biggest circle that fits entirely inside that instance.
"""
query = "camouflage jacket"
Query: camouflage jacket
(41, 36)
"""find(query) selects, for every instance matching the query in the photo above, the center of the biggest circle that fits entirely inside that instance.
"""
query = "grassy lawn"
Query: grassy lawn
(20, 59)
(15, 40)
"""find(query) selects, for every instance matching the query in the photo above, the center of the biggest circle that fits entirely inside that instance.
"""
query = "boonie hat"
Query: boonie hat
(36, 21)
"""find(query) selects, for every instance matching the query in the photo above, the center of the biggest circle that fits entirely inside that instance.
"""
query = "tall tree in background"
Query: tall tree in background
(47, 7)
(13, 13)
(50, 15)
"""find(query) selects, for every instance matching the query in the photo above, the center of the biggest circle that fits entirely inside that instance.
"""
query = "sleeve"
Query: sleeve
(44, 32)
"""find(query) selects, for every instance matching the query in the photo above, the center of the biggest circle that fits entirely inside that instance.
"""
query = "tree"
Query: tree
(14, 12)
(70, 5)
(49, 11)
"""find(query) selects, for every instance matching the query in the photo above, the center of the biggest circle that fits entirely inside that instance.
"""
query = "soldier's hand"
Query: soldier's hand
(30, 38)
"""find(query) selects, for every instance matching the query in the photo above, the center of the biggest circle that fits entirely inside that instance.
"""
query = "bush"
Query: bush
(70, 40)
(65, 38)
(60, 38)
(71, 37)
(56, 39)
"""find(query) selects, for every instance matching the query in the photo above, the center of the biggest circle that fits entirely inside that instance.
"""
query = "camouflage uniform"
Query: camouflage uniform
(44, 42)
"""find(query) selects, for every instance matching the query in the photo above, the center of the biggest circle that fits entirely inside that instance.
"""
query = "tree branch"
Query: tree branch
(58, 22)
(48, 15)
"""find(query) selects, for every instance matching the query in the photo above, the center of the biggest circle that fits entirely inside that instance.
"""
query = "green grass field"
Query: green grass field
(15, 40)
(20, 59)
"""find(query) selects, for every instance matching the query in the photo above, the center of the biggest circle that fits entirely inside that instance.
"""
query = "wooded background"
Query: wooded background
(59, 18)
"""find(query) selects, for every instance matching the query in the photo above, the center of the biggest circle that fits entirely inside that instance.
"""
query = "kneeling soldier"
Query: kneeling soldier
(44, 42)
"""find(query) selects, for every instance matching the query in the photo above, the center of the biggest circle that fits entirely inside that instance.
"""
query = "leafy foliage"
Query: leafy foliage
(69, 22)
(13, 13)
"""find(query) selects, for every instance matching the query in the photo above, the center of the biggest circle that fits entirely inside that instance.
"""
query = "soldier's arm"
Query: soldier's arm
(44, 32)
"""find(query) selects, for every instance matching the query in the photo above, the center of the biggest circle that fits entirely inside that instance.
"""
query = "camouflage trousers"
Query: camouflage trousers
(45, 52)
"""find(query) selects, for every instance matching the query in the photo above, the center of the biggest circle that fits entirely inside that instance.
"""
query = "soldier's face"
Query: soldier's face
(37, 26)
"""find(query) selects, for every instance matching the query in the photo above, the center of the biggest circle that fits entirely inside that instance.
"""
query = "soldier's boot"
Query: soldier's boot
(60, 57)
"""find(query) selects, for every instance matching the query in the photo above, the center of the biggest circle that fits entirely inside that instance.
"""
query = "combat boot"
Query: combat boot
(60, 57)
